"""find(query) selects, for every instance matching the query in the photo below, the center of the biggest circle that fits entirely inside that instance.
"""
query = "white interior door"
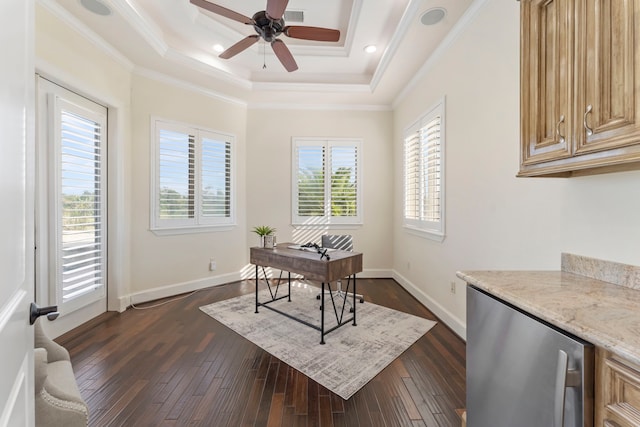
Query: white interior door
(16, 215)
(71, 260)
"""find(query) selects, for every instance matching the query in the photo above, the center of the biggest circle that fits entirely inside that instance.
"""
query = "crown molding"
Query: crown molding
(163, 78)
(209, 69)
(312, 87)
(141, 24)
(396, 40)
(319, 107)
(86, 32)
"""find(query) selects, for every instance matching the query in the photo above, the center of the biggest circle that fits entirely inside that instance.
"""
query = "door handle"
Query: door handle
(564, 378)
(51, 312)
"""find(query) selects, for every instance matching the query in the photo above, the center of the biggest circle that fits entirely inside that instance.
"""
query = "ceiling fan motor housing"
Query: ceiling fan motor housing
(267, 27)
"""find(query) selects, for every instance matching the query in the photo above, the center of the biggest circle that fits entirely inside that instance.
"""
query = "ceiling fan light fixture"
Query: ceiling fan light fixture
(370, 48)
(96, 6)
(433, 16)
(218, 48)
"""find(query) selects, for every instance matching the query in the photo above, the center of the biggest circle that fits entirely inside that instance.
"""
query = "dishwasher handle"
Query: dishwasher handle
(565, 377)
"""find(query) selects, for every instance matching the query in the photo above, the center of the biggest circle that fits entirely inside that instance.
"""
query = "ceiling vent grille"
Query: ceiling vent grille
(293, 16)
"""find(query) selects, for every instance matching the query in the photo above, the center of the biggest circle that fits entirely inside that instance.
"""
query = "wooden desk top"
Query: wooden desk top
(307, 263)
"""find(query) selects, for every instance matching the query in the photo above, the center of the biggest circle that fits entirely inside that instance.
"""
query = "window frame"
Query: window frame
(327, 218)
(433, 230)
(199, 223)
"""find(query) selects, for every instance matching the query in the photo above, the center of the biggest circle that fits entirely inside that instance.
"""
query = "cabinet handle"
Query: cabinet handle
(586, 126)
(560, 137)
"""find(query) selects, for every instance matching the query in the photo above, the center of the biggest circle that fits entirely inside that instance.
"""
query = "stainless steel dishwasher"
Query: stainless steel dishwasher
(523, 372)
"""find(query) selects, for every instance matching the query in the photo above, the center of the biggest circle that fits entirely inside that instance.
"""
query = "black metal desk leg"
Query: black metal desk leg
(289, 286)
(256, 288)
(354, 300)
(322, 315)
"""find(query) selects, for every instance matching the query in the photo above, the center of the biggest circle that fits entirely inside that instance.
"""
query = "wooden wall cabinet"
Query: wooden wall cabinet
(580, 86)
(617, 386)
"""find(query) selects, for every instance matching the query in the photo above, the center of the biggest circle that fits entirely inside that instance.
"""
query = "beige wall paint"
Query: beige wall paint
(159, 261)
(269, 139)
(495, 220)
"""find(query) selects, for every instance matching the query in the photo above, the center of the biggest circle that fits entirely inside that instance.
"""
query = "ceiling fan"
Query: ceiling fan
(269, 24)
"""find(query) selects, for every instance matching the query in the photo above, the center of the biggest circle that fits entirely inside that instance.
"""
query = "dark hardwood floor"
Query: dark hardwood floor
(173, 365)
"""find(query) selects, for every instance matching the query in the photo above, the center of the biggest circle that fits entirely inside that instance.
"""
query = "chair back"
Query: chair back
(338, 241)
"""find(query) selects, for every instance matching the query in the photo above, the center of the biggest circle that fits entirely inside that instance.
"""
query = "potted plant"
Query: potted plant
(265, 233)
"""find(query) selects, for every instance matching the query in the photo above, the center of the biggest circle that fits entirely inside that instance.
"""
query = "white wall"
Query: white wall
(493, 219)
(269, 137)
(165, 265)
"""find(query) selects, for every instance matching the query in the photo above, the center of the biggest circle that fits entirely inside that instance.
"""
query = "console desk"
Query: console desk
(309, 264)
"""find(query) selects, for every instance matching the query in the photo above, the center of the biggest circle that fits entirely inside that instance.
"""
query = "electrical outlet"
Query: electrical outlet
(453, 287)
(212, 264)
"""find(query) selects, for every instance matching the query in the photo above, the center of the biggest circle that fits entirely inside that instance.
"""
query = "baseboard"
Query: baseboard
(456, 325)
(179, 288)
(372, 273)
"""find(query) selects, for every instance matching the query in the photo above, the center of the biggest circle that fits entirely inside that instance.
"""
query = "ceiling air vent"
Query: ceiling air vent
(293, 16)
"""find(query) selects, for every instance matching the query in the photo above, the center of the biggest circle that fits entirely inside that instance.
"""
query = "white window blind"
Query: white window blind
(216, 178)
(423, 173)
(193, 177)
(80, 202)
(327, 183)
(177, 175)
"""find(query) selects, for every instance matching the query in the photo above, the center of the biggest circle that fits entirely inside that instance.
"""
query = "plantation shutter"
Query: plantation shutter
(192, 178)
(176, 174)
(216, 178)
(424, 175)
(430, 143)
(412, 178)
(422, 172)
(311, 180)
(81, 201)
(326, 181)
(344, 180)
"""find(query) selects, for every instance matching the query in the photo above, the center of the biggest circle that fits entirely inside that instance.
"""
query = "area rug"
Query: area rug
(351, 355)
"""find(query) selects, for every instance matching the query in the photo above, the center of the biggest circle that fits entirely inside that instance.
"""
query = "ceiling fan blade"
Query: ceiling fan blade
(223, 11)
(312, 33)
(239, 47)
(284, 55)
(276, 8)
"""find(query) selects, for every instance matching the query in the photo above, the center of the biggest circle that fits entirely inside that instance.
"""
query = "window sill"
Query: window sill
(332, 226)
(173, 231)
(436, 236)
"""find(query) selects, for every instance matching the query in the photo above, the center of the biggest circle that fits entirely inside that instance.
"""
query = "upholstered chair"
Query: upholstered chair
(58, 401)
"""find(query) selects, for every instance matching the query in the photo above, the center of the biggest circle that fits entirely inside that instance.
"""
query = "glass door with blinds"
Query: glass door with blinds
(72, 201)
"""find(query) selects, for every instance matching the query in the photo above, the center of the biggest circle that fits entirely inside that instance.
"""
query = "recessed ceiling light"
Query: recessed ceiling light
(97, 7)
(370, 49)
(433, 16)
(218, 48)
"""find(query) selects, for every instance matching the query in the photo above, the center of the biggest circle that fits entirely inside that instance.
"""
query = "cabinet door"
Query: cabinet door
(547, 43)
(609, 89)
(617, 391)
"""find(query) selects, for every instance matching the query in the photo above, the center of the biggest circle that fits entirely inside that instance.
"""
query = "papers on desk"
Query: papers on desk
(304, 248)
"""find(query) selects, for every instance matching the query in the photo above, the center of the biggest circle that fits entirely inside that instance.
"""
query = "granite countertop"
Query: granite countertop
(576, 299)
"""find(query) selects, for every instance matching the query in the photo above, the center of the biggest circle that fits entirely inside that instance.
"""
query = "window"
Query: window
(424, 174)
(72, 199)
(327, 181)
(192, 181)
